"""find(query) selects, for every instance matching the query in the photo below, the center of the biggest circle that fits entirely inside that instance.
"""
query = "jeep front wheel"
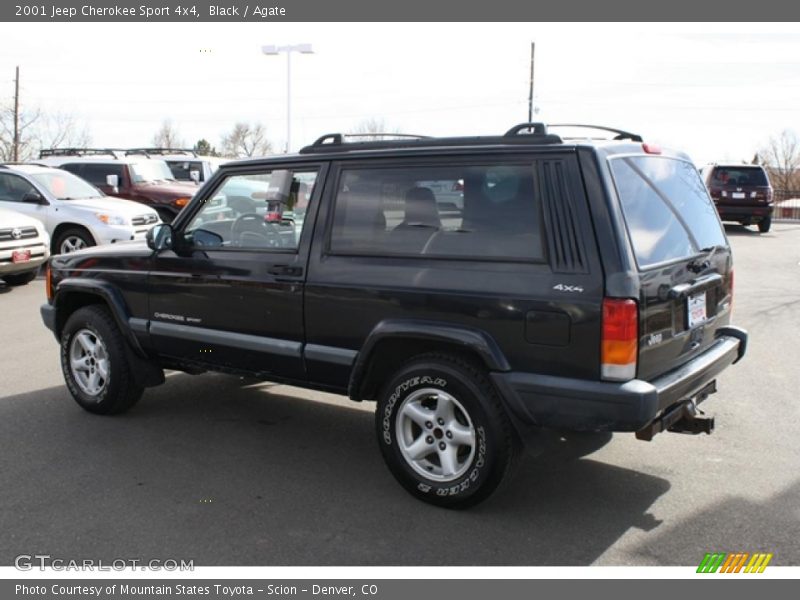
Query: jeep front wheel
(443, 432)
(94, 363)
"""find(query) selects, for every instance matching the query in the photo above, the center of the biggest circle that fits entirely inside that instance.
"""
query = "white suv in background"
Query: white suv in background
(24, 246)
(75, 213)
(186, 165)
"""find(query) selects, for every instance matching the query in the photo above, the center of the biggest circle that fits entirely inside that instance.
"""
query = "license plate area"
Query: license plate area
(20, 256)
(737, 195)
(696, 309)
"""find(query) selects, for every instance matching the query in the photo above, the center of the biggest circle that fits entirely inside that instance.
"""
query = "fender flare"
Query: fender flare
(112, 298)
(467, 338)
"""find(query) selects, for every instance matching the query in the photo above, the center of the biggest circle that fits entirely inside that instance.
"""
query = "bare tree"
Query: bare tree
(62, 130)
(373, 125)
(26, 130)
(782, 157)
(246, 139)
(167, 136)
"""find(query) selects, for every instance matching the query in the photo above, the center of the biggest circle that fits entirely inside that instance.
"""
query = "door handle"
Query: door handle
(285, 270)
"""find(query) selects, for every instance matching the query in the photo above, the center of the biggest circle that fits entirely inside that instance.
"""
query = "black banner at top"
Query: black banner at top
(395, 10)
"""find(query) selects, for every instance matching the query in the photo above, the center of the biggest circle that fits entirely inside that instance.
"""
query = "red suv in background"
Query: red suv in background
(140, 178)
(741, 193)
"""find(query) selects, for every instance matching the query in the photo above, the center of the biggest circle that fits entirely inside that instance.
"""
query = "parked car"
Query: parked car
(741, 193)
(139, 178)
(24, 246)
(185, 164)
(584, 286)
(75, 214)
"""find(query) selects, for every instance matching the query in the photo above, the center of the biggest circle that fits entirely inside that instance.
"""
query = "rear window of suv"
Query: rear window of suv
(739, 176)
(666, 207)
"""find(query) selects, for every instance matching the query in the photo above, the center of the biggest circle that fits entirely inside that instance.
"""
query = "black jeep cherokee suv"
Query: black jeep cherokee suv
(474, 287)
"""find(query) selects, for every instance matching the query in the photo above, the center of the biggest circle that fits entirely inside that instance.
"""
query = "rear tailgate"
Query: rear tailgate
(683, 257)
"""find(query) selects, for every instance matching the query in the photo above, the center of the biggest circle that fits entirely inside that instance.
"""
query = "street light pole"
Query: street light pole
(273, 51)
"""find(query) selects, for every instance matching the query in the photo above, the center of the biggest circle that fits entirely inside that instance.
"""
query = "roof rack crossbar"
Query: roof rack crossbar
(621, 135)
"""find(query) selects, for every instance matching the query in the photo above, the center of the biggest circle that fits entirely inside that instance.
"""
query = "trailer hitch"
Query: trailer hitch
(683, 417)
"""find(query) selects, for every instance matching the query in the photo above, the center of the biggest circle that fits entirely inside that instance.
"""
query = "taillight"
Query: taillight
(620, 341)
(715, 192)
(769, 194)
(48, 283)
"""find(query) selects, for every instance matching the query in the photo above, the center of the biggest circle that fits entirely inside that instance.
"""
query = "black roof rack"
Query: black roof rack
(335, 142)
(161, 151)
(621, 135)
(47, 152)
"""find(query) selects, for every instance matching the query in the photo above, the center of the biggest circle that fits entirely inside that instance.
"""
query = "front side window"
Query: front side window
(666, 207)
(253, 210)
(477, 211)
(182, 169)
(96, 173)
(13, 188)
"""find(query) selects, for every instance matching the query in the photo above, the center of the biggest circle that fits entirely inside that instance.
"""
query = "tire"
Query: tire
(91, 337)
(72, 240)
(406, 419)
(20, 278)
(764, 225)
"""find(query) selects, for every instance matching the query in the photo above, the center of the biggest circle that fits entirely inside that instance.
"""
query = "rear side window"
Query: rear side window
(739, 176)
(456, 211)
(666, 207)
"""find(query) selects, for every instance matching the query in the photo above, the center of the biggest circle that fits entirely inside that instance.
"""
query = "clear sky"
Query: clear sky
(717, 91)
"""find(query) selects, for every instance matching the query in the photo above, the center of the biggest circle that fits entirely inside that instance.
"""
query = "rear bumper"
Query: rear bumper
(562, 402)
(753, 212)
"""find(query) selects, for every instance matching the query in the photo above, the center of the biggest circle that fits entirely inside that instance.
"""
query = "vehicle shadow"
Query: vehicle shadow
(735, 525)
(735, 229)
(215, 470)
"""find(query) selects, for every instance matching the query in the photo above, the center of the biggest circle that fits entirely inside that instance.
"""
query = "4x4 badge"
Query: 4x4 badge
(568, 288)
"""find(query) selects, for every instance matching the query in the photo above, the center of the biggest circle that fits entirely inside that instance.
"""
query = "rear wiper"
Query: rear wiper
(698, 266)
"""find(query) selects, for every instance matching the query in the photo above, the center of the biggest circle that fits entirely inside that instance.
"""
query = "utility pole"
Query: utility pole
(16, 117)
(530, 92)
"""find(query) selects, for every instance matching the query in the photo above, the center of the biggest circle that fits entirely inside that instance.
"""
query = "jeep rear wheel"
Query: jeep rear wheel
(443, 433)
(94, 362)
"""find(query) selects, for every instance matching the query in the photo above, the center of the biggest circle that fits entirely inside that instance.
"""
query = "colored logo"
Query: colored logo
(737, 562)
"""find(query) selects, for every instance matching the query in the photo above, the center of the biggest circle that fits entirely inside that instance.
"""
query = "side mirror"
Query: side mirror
(34, 197)
(159, 237)
(112, 181)
(194, 176)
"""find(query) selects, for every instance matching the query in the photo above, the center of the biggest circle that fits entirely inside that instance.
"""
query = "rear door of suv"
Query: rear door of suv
(682, 254)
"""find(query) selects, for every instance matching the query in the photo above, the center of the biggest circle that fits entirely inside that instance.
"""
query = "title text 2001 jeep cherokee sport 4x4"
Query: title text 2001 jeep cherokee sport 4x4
(472, 286)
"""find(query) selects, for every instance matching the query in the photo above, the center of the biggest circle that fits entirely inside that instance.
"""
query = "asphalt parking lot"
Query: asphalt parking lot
(231, 472)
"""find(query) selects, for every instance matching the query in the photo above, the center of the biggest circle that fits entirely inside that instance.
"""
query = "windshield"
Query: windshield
(66, 186)
(666, 207)
(147, 171)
